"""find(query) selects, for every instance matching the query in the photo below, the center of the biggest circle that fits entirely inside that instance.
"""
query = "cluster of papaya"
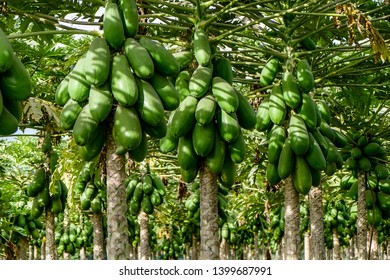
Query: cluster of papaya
(301, 141)
(92, 191)
(277, 223)
(144, 193)
(121, 74)
(383, 231)
(208, 122)
(45, 194)
(369, 155)
(172, 246)
(193, 201)
(229, 231)
(338, 217)
(32, 226)
(134, 230)
(15, 86)
(74, 237)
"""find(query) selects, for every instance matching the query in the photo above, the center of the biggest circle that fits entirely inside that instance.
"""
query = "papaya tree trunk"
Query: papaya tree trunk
(361, 224)
(292, 220)
(224, 254)
(23, 248)
(117, 227)
(352, 248)
(98, 237)
(307, 245)
(256, 245)
(317, 224)
(374, 243)
(209, 242)
(43, 250)
(144, 247)
(195, 248)
(336, 245)
(83, 255)
(50, 250)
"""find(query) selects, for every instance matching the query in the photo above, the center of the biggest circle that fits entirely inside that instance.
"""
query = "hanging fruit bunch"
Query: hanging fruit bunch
(209, 121)
(301, 142)
(337, 217)
(15, 86)
(122, 75)
(367, 154)
(47, 193)
(144, 193)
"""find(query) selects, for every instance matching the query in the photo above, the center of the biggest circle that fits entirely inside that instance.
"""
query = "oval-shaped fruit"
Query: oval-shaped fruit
(272, 174)
(228, 173)
(97, 62)
(100, 102)
(307, 111)
(324, 110)
(184, 58)
(127, 127)
(305, 75)
(222, 67)
(203, 139)
(216, 156)
(15, 83)
(246, 115)
(113, 29)
(205, 110)
(277, 106)
(164, 61)
(269, 72)
(139, 58)
(69, 114)
(202, 48)
(291, 93)
(9, 124)
(129, 13)
(228, 126)
(139, 154)
(182, 84)
(167, 92)
(275, 143)
(286, 160)
(237, 149)
(78, 86)
(314, 156)
(6, 52)
(302, 176)
(149, 105)
(85, 127)
(183, 119)
(299, 137)
(263, 120)
(123, 83)
(200, 81)
(92, 149)
(308, 44)
(225, 95)
(186, 155)
(62, 94)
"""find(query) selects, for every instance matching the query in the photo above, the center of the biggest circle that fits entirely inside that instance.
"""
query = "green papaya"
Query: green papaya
(183, 119)
(302, 178)
(130, 17)
(139, 154)
(139, 58)
(78, 86)
(246, 115)
(307, 110)
(36, 210)
(203, 139)
(228, 173)
(158, 183)
(127, 127)
(84, 129)
(222, 67)
(9, 124)
(308, 44)
(291, 93)
(149, 105)
(237, 149)
(324, 110)
(205, 110)
(147, 205)
(225, 95)
(286, 160)
(168, 143)
(315, 156)
(182, 84)
(228, 126)
(62, 94)
(299, 136)
(200, 81)
(272, 174)
(123, 83)
(96, 205)
(202, 48)
(216, 157)
(100, 102)
(184, 58)
(269, 72)
(186, 155)
(164, 62)
(113, 28)
(6, 52)
(277, 106)
(56, 206)
(167, 92)
(155, 131)
(263, 119)
(69, 114)
(275, 144)
(97, 62)
(15, 107)
(93, 148)
(305, 75)
(15, 83)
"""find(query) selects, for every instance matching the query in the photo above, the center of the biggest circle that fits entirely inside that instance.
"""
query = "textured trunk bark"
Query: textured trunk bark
(31, 252)
(307, 245)
(256, 245)
(224, 251)
(292, 220)
(374, 252)
(388, 248)
(83, 255)
(98, 237)
(361, 223)
(117, 227)
(23, 248)
(317, 224)
(144, 247)
(209, 243)
(336, 245)
(50, 249)
(66, 255)
(352, 248)
(43, 250)
(187, 252)
(36, 255)
(132, 255)
(195, 248)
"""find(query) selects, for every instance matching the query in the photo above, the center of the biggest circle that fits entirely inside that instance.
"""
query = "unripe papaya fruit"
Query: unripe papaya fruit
(113, 29)
(202, 48)
(97, 62)
(269, 72)
(6, 52)
(305, 75)
(290, 89)
(225, 95)
(139, 58)
(129, 13)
